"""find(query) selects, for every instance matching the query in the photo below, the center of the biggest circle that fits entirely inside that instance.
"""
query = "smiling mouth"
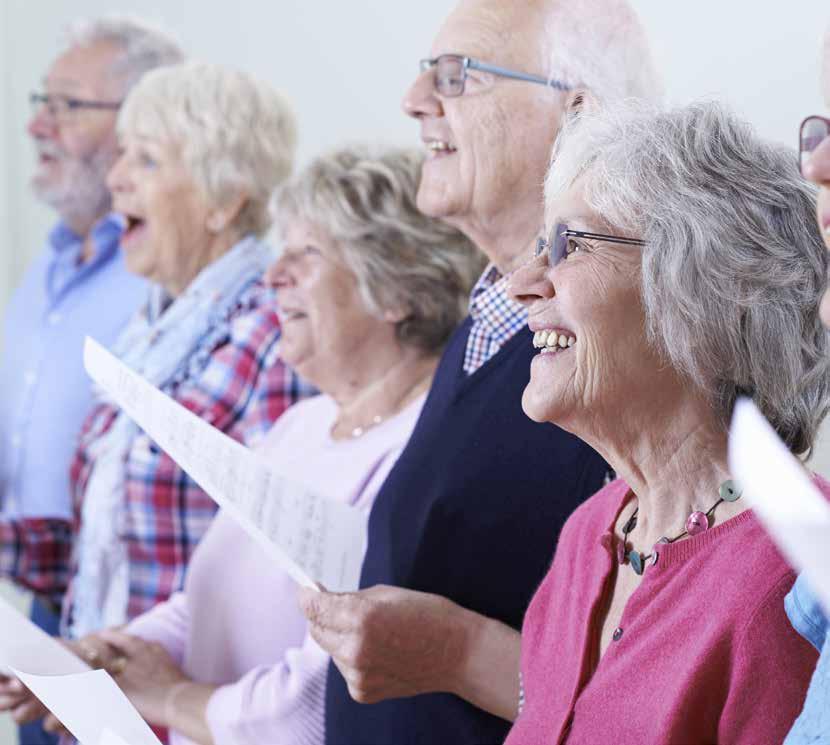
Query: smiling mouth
(439, 148)
(551, 341)
(287, 315)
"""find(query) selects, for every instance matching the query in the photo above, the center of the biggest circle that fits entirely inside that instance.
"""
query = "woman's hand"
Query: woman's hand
(158, 688)
(19, 701)
(389, 642)
(148, 675)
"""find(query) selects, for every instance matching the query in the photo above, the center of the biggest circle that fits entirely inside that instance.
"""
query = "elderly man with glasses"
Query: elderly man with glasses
(78, 285)
(464, 527)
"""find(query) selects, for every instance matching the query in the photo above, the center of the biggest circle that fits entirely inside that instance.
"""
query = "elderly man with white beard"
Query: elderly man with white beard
(78, 285)
(465, 525)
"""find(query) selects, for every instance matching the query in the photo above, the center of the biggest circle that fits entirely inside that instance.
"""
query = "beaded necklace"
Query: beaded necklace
(698, 522)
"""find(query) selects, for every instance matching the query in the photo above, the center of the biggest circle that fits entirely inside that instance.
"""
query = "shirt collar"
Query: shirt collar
(105, 236)
(491, 304)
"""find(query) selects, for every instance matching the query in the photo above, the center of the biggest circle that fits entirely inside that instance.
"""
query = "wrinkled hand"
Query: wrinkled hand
(149, 676)
(389, 642)
(19, 701)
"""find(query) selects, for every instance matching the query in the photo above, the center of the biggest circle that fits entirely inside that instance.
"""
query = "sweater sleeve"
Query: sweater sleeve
(281, 703)
(770, 675)
(167, 623)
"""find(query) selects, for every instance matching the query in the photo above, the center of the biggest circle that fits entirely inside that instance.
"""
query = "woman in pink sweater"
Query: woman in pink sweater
(369, 290)
(681, 267)
(662, 619)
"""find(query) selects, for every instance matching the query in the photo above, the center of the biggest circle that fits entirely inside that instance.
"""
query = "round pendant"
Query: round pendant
(729, 492)
(697, 523)
(636, 559)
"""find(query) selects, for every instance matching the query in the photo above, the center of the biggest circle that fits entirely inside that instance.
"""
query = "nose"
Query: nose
(817, 168)
(531, 283)
(420, 100)
(118, 178)
(42, 125)
(277, 275)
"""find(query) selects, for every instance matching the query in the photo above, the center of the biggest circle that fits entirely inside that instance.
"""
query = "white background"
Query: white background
(345, 66)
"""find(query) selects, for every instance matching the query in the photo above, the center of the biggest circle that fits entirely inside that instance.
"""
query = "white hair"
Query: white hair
(144, 47)
(237, 134)
(734, 265)
(601, 46)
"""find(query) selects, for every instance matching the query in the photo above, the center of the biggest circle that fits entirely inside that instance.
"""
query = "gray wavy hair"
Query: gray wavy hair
(144, 47)
(734, 265)
(364, 199)
(237, 134)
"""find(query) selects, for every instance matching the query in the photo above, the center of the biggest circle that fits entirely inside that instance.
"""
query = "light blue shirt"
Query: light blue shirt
(805, 614)
(46, 394)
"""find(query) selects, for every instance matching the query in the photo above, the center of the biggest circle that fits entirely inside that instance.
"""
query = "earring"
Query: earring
(216, 223)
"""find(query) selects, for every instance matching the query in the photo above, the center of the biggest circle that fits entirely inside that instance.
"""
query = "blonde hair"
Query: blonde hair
(237, 134)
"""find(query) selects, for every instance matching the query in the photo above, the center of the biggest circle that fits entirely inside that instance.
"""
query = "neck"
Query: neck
(214, 249)
(384, 391)
(507, 238)
(672, 453)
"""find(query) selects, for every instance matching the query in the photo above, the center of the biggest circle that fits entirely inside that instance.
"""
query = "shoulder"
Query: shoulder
(596, 514)
(254, 316)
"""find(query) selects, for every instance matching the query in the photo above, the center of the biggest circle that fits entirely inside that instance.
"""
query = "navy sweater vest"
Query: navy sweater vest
(471, 511)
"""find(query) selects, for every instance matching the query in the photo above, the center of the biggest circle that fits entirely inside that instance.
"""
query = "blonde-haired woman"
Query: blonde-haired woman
(202, 149)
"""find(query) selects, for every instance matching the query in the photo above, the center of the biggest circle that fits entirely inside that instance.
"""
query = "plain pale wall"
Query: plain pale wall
(345, 65)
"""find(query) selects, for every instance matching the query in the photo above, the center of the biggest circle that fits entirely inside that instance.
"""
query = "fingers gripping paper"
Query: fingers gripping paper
(313, 538)
(87, 702)
(779, 489)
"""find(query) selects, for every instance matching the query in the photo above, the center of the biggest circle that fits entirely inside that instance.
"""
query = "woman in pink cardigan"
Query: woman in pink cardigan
(681, 267)
(662, 619)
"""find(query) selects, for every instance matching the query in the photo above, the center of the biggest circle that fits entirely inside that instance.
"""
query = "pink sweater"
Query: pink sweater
(237, 623)
(704, 652)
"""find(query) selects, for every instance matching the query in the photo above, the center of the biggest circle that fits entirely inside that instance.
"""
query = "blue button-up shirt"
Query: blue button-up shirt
(45, 393)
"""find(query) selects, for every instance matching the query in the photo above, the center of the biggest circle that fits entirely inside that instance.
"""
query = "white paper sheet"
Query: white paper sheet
(86, 701)
(780, 490)
(91, 706)
(313, 538)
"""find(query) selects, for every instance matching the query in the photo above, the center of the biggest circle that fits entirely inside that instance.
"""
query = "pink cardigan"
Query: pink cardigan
(703, 654)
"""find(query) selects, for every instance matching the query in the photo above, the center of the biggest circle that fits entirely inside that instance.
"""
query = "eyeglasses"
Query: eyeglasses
(813, 131)
(63, 107)
(451, 74)
(563, 242)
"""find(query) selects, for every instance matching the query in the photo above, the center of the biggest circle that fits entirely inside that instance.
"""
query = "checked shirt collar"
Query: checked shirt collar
(496, 318)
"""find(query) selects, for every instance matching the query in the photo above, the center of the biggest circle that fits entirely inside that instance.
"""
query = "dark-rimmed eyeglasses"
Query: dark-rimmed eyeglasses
(563, 242)
(62, 107)
(451, 74)
(813, 131)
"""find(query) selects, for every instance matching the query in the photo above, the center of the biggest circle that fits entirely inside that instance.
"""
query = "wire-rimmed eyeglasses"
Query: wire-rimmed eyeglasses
(813, 131)
(563, 242)
(60, 106)
(451, 74)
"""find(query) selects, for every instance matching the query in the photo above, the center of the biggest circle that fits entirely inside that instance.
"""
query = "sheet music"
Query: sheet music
(87, 702)
(91, 706)
(314, 539)
(777, 486)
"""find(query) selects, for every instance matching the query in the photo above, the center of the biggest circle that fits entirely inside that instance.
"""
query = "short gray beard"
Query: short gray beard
(82, 194)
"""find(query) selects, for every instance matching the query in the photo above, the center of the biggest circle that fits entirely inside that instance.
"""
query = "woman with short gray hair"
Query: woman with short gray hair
(369, 290)
(683, 267)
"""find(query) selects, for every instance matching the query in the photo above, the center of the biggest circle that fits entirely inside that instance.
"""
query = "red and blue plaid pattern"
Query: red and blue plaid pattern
(236, 383)
(497, 318)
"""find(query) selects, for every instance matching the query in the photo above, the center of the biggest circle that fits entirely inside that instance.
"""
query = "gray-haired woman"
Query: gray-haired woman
(681, 267)
(369, 290)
